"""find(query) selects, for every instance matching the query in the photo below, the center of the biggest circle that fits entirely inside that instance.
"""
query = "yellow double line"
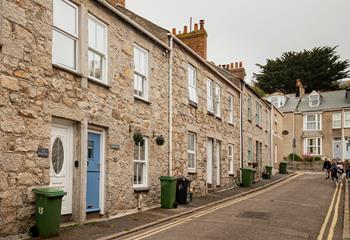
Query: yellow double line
(205, 212)
(336, 200)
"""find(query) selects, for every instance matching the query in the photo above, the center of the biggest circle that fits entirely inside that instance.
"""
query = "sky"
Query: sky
(255, 30)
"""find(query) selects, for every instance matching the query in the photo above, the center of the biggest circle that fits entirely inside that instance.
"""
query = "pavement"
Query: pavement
(118, 227)
(306, 206)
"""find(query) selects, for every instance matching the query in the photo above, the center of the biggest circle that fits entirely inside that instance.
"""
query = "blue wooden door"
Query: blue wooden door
(93, 173)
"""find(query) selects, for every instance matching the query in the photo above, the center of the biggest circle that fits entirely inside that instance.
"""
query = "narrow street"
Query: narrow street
(302, 207)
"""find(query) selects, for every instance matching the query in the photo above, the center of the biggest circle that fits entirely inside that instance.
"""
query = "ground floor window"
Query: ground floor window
(313, 146)
(140, 163)
(191, 151)
(230, 159)
(250, 149)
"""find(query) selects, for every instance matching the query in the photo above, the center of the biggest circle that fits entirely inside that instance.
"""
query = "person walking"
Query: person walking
(340, 170)
(327, 167)
(347, 168)
(334, 170)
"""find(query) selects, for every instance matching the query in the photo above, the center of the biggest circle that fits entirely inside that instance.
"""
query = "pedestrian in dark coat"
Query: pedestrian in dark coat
(334, 171)
(326, 167)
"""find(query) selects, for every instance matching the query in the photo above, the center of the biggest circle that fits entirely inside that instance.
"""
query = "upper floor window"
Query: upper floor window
(250, 106)
(217, 100)
(312, 122)
(314, 99)
(191, 151)
(210, 96)
(140, 72)
(230, 108)
(97, 49)
(65, 34)
(192, 84)
(258, 114)
(336, 120)
(346, 119)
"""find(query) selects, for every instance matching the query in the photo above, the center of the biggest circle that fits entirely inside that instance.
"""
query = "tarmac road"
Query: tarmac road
(304, 207)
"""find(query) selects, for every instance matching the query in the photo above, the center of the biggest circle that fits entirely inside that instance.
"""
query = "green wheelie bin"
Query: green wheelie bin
(48, 203)
(283, 167)
(167, 191)
(247, 176)
(268, 170)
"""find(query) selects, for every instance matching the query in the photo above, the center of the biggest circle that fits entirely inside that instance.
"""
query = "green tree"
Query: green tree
(318, 69)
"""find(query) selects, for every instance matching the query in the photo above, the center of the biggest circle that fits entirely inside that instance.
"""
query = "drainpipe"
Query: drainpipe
(343, 143)
(293, 139)
(272, 144)
(171, 40)
(241, 126)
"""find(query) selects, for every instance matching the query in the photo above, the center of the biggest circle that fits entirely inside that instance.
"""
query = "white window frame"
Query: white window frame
(317, 146)
(144, 93)
(145, 162)
(314, 96)
(250, 107)
(230, 154)
(192, 169)
(336, 120)
(258, 113)
(250, 149)
(74, 37)
(192, 83)
(230, 104)
(210, 96)
(347, 119)
(103, 55)
(317, 121)
(217, 100)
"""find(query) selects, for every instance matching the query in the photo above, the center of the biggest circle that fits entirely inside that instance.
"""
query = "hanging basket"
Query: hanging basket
(160, 140)
(138, 138)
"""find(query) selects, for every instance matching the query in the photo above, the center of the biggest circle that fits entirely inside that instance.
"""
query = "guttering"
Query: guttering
(133, 23)
(170, 105)
(202, 60)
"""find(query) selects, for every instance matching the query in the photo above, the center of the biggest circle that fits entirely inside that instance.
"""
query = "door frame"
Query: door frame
(341, 150)
(211, 140)
(218, 162)
(62, 123)
(102, 134)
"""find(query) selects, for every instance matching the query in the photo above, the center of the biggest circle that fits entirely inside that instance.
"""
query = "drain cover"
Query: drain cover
(256, 215)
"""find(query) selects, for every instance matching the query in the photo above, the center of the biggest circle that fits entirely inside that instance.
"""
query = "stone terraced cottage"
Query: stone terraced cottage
(81, 80)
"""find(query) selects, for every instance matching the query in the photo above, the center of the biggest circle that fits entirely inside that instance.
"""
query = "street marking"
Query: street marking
(210, 210)
(323, 228)
(335, 215)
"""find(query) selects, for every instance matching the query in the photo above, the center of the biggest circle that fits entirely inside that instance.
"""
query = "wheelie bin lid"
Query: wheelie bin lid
(249, 169)
(49, 192)
(167, 178)
(183, 178)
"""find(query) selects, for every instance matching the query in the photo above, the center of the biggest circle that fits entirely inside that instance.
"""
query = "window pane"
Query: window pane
(143, 151)
(98, 66)
(64, 16)
(100, 38)
(63, 50)
(92, 33)
(91, 64)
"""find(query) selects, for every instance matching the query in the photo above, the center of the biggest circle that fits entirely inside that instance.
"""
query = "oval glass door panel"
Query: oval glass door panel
(57, 156)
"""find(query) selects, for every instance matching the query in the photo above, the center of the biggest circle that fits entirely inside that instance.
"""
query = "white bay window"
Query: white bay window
(65, 34)
(313, 146)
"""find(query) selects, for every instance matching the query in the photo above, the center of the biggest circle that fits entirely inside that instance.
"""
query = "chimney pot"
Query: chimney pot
(201, 24)
(196, 27)
(232, 66)
(174, 31)
(236, 64)
(240, 64)
(185, 29)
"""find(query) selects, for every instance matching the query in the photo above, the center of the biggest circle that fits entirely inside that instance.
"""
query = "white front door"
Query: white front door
(337, 150)
(210, 161)
(61, 159)
(218, 165)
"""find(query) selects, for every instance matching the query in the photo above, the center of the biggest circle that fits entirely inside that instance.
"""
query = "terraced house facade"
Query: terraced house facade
(80, 80)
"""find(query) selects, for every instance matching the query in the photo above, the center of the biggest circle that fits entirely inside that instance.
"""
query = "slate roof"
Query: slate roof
(330, 100)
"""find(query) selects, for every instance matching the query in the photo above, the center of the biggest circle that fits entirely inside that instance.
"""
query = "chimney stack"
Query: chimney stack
(196, 39)
(235, 68)
(116, 3)
(300, 91)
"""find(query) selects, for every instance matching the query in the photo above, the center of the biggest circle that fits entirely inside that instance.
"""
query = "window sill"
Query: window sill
(231, 174)
(98, 82)
(211, 113)
(142, 189)
(258, 126)
(192, 172)
(193, 104)
(218, 118)
(249, 120)
(232, 124)
(138, 98)
(78, 74)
